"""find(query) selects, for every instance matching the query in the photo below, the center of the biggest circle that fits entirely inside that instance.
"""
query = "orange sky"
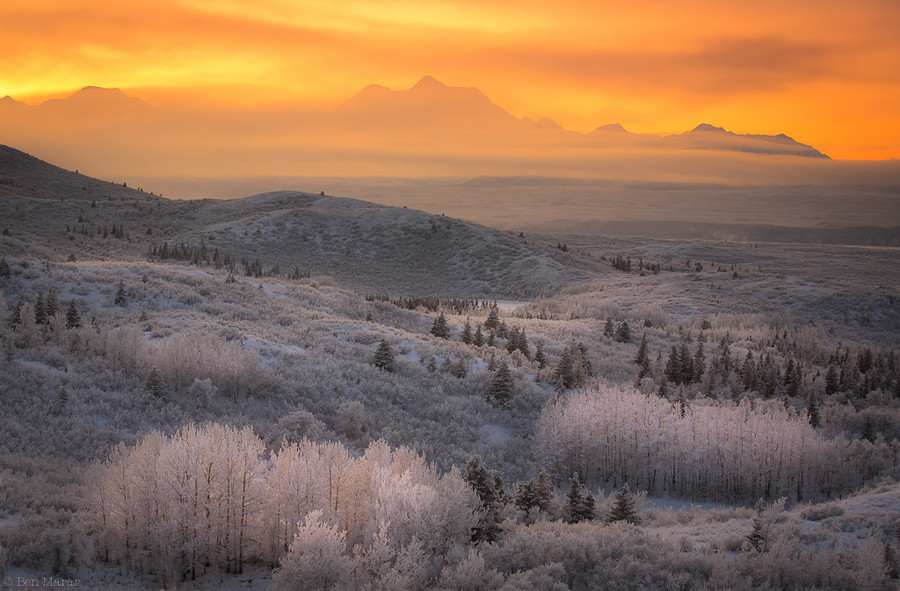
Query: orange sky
(825, 72)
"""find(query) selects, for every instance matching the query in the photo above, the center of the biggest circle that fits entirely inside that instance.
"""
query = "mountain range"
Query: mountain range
(430, 129)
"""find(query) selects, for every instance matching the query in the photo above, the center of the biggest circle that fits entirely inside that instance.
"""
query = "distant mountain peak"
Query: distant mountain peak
(709, 128)
(612, 127)
(428, 82)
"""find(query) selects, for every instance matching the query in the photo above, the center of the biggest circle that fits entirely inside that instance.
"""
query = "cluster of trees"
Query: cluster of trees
(117, 231)
(623, 263)
(202, 255)
(206, 499)
(456, 306)
(723, 453)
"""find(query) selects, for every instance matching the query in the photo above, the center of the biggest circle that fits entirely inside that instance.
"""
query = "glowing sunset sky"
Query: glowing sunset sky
(822, 71)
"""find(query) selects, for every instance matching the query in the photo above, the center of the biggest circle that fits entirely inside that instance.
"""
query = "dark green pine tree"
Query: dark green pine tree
(609, 330)
(525, 497)
(478, 339)
(73, 318)
(467, 333)
(522, 344)
(491, 338)
(758, 538)
(440, 328)
(673, 366)
(512, 341)
(699, 364)
(492, 363)
(579, 502)
(52, 302)
(539, 356)
(501, 388)
(623, 508)
(488, 484)
(493, 320)
(812, 410)
(40, 309)
(642, 358)
(155, 384)
(120, 294)
(831, 381)
(384, 357)
(623, 333)
(563, 374)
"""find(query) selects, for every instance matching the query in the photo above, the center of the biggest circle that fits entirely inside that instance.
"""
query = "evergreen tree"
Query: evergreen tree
(609, 330)
(384, 357)
(759, 535)
(467, 333)
(5, 271)
(642, 358)
(492, 363)
(522, 344)
(52, 302)
(73, 318)
(749, 374)
(478, 340)
(500, 390)
(698, 363)
(432, 364)
(155, 383)
(812, 410)
(40, 309)
(512, 342)
(831, 381)
(579, 502)
(489, 486)
(544, 491)
(493, 320)
(440, 328)
(623, 508)
(623, 333)
(563, 374)
(120, 294)
(673, 366)
(539, 356)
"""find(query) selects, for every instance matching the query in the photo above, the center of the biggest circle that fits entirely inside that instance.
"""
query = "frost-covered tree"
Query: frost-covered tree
(155, 384)
(492, 323)
(383, 358)
(40, 309)
(539, 356)
(318, 558)
(52, 304)
(478, 339)
(642, 358)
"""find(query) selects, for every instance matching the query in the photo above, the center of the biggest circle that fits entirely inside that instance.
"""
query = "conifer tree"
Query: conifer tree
(432, 364)
(623, 508)
(492, 322)
(73, 318)
(579, 502)
(512, 342)
(52, 305)
(812, 410)
(40, 309)
(440, 328)
(467, 333)
(155, 384)
(539, 356)
(642, 358)
(5, 271)
(489, 486)
(758, 537)
(384, 357)
(831, 381)
(120, 294)
(623, 333)
(491, 338)
(478, 339)
(609, 330)
(699, 363)
(500, 390)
